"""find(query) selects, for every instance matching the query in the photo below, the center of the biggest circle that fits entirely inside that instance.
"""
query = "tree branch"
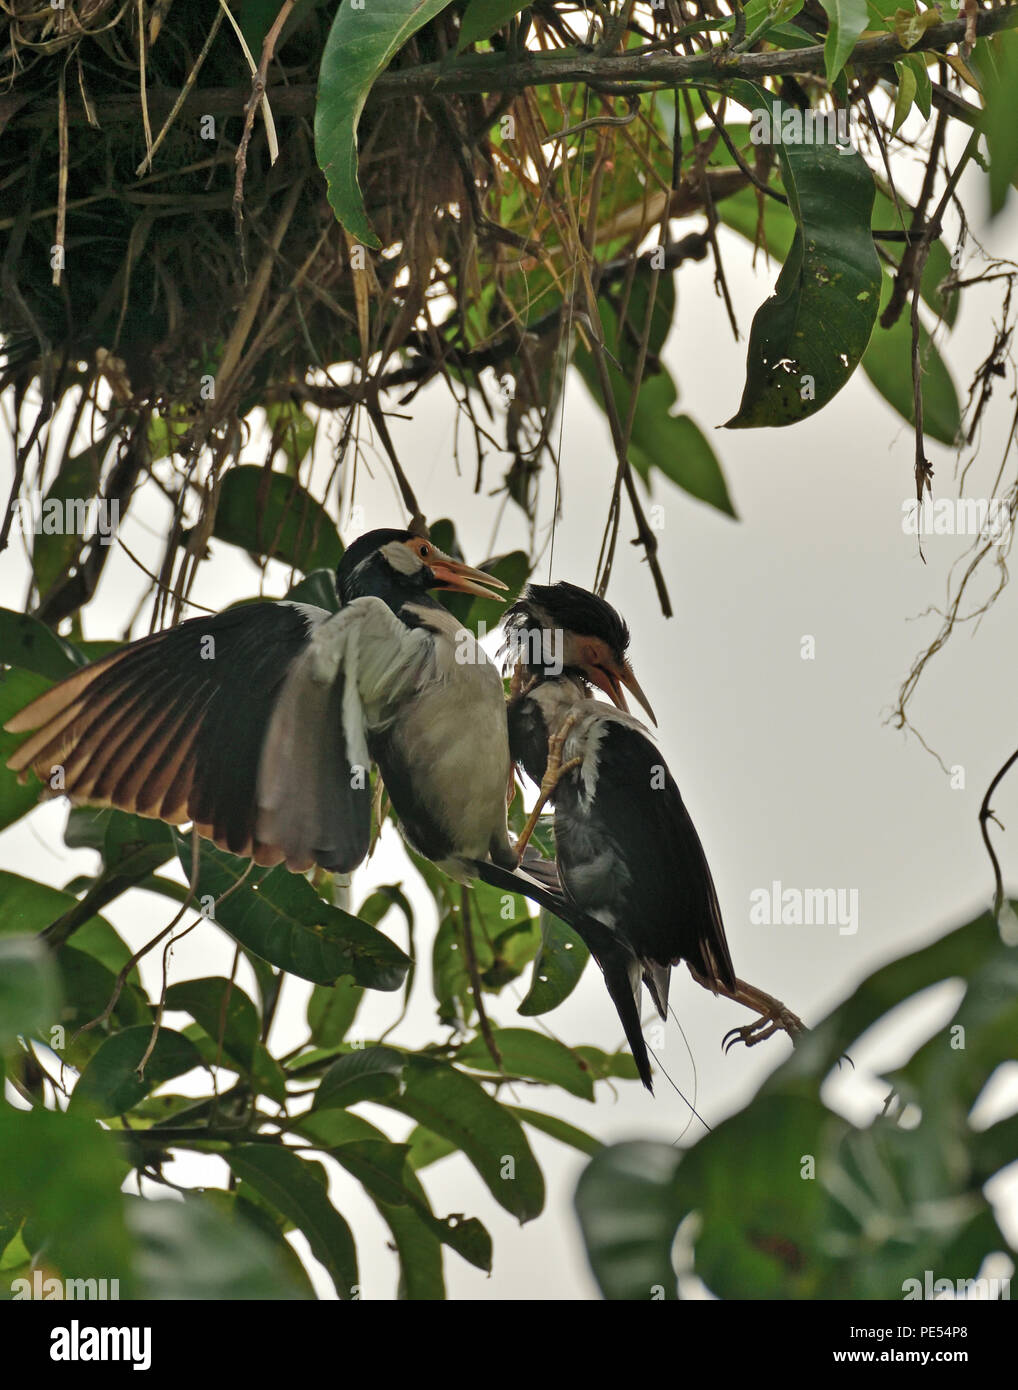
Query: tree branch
(494, 72)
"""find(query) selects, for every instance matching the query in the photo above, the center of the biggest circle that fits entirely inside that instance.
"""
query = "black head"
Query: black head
(399, 566)
(553, 628)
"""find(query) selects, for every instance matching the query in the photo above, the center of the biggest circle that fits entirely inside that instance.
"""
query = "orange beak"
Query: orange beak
(611, 680)
(451, 574)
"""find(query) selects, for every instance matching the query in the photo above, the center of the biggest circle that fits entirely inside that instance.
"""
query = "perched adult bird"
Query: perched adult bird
(259, 724)
(628, 854)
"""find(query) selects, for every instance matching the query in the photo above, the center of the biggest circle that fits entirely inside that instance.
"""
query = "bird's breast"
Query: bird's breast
(444, 757)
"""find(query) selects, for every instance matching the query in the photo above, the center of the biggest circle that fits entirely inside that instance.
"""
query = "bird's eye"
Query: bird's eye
(424, 552)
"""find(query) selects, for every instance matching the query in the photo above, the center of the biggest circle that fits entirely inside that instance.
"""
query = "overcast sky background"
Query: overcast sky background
(788, 766)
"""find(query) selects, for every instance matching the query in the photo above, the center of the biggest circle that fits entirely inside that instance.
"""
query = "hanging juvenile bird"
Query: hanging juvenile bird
(628, 854)
(259, 724)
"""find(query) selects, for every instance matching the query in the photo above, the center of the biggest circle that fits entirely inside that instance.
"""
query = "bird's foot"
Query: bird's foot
(778, 1018)
(555, 769)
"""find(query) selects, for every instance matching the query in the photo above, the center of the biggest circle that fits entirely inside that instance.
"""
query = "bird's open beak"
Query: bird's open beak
(451, 574)
(611, 680)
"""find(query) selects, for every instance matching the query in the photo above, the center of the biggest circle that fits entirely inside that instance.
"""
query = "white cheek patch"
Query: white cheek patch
(401, 558)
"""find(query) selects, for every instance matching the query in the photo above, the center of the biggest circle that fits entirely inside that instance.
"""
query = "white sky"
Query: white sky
(788, 766)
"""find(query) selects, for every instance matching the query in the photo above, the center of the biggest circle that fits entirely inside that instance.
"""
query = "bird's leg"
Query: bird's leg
(775, 1017)
(554, 770)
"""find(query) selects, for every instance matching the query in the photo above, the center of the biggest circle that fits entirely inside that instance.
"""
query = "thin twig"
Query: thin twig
(986, 814)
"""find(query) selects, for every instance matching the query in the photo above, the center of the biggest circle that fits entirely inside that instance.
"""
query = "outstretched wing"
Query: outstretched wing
(249, 724)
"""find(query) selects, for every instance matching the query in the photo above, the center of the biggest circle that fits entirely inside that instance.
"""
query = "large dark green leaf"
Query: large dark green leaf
(558, 1129)
(807, 339)
(360, 46)
(270, 514)
(365, 1074)
(29, 989)
(28, 906)
(628, 1213)
(525, 1052)
(826, 1209)
(331, 1009)
(453, 1105)
(418, 1232)
(280, 917)
(557, 967)
(225, 1013)
(207, 1247)
(63, 1173)
(291, 1185)
(30, 644)
(110, 1084)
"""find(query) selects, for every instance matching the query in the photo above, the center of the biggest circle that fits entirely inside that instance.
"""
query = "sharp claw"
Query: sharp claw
(758, 1031)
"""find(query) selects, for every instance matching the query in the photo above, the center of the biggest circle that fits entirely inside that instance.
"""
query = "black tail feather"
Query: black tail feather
(617, 963)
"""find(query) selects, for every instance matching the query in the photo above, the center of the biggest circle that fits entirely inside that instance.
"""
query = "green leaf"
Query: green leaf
(807, 339)
(378, 1165)
(916, 63)
(88, 987)
(28, 906)
(659, 439)
(427, 1148)
(30, 644)
(280, 917)
(996, 60)
(290, 1185)
(453, 1105)
(29, 989)
(331, 1010)
(54, 549)
(207, 1247)
(110, 1084)
(528, 1053)
(317, 588)
(605, 1065)
(558, 1129)
(846, 21)
(935, 270)
(360, 46)
(225, 1013)
(907, 86)
(17, 689)
(270, 514)
(888, 364)
(368, 1073)
(628, 1212)
(482, 18)
(418, 1232)
(63, 1173)
(292, 431)
(911, 25)
(557, 967)
(677, 447)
